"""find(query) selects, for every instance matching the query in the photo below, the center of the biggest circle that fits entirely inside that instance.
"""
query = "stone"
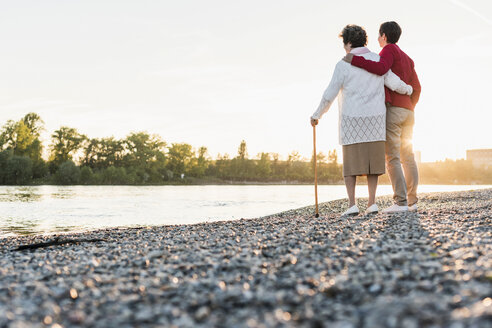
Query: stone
(428, 269)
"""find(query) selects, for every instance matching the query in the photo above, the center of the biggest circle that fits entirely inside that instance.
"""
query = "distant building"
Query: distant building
(418, 156)
(480, 157)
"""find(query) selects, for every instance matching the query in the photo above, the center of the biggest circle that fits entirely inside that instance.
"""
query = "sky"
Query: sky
(212, 73)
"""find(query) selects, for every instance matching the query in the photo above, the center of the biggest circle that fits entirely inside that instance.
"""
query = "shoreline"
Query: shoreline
(240, 183)
(431, 268)
(382, 199)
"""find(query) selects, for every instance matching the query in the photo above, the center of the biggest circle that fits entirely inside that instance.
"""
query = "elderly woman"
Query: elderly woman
(362, 116)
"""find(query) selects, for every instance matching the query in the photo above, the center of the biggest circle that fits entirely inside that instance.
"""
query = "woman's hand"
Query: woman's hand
(314, 122)
(409, 90)
(348, 58)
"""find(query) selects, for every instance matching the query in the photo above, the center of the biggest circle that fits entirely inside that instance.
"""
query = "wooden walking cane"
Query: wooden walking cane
(315, 173)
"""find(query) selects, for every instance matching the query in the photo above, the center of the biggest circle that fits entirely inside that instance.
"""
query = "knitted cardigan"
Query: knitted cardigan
(362, 110)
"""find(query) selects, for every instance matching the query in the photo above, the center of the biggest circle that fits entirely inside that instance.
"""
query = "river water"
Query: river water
(54, 209)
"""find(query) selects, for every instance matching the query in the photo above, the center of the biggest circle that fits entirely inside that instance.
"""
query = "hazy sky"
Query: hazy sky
(215, 72)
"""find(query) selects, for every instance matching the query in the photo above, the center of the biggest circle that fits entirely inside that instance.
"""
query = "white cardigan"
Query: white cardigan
(362, 111)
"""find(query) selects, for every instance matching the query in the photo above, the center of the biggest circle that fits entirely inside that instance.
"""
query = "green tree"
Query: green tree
(90, 153)
(294, 156)
(144, 150)
(242, 151)
(180, 156)
(86, 175)
(242, 168)
(16, 136)
(35, 124)
(66, 142)
(39, 169)
(18, 170)
(222, 167)
(5, 155)
(114, 175)
(332, 156)
(296, 169)
(34, 150)
(320, 158)
(200, 163)
(23, 136)
(333, 171)
(263, 166)
(102, 153)
(68, 173)
(276, 165)
(328, 168)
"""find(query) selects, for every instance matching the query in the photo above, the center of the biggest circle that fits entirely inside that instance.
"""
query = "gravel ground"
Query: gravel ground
(427, 269)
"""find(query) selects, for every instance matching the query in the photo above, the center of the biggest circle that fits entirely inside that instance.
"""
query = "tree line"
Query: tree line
(140, 158)
(146, 159)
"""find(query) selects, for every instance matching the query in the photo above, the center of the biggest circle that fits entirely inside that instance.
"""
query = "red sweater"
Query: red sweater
(392, 57)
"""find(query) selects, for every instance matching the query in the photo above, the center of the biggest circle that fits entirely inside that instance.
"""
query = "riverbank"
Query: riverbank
(218, 182)
(431, 268)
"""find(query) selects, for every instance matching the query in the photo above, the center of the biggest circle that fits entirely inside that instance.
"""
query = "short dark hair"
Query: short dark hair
(354, 35)
(392, 31)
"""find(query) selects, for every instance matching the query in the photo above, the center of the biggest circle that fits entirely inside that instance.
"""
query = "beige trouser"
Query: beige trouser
(399, 132)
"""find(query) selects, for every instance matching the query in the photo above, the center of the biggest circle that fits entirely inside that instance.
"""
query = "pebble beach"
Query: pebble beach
(432, 268)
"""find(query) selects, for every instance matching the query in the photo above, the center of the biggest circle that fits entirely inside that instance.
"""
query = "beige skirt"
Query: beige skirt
(363, 158)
